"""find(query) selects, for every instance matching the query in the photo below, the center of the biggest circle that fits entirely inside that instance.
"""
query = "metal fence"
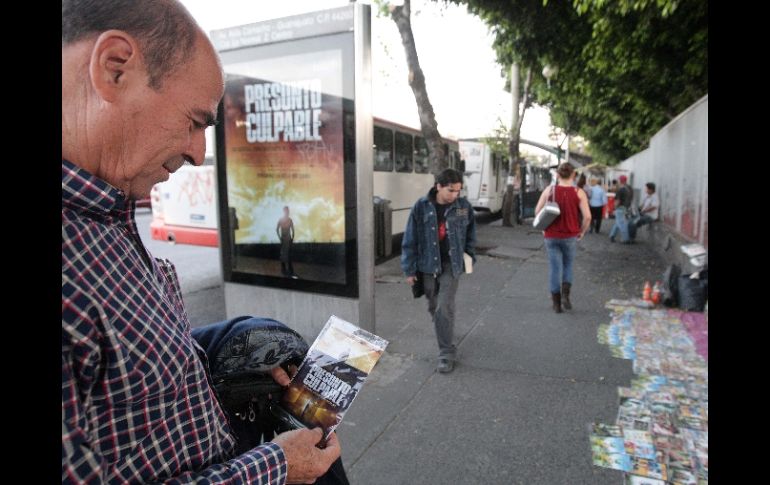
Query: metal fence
(677, 162)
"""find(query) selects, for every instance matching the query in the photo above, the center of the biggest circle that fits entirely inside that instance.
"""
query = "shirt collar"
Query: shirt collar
(83, 191)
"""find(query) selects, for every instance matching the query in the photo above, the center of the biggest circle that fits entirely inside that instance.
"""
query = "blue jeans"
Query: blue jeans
(561, 253)
(621, 224)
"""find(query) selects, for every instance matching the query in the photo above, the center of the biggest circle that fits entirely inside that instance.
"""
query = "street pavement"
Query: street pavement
(516, 408)
(528, 382)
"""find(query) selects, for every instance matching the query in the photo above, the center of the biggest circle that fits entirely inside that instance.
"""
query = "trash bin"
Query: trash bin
(383, 227)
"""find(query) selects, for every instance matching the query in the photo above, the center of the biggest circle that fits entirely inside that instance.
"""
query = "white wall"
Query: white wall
(677, 162)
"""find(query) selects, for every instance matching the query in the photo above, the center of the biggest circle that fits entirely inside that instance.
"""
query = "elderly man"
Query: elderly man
(140, 83)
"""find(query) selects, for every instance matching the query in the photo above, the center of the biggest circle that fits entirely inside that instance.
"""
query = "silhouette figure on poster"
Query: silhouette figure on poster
(285, 231)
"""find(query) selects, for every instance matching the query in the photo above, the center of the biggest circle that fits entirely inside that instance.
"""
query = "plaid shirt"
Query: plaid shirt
(136, 402)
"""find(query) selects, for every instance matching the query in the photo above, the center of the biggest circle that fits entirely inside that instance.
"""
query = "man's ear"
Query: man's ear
(115, 62)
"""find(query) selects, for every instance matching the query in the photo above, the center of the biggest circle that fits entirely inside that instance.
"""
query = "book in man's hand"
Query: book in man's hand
(331, 375)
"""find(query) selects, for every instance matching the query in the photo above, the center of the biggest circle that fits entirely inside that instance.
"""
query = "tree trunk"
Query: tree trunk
(513, 147)
(437, 158)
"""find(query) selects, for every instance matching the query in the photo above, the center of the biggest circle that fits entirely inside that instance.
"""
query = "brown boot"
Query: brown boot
(556, 297)
(565, 287)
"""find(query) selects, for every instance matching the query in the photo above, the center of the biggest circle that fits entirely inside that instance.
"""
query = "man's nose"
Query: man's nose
(197, 149)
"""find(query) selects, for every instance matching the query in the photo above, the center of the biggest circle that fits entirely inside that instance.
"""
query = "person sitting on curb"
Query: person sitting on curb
(648, 211)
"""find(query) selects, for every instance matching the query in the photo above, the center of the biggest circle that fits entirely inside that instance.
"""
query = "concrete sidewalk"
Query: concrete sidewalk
(528, 382)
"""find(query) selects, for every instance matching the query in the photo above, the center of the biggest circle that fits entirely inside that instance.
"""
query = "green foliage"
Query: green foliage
(382, 8)
(499, 139)
(626, 67)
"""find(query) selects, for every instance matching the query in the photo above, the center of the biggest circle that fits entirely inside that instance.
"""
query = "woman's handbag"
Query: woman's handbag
(548, 213)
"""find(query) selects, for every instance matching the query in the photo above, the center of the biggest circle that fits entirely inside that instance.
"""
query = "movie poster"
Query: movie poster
(283, 124)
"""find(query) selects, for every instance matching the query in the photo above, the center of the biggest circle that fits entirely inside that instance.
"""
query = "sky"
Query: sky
(463, 79)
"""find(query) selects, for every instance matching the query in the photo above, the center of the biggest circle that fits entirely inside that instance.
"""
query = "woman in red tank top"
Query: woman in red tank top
(562, 235)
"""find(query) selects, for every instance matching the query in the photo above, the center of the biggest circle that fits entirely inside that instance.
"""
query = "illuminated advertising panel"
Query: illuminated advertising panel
(285, 165)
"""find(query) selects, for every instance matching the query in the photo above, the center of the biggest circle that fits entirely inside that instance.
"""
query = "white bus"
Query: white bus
(185, 207)
(401, 171)
(486, 175)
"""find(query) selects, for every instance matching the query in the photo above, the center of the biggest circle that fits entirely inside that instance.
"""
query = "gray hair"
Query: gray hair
(164, 29)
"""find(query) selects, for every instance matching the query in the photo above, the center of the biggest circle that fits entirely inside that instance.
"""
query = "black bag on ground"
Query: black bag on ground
(692, 293)
(704, 278)
(670, 285)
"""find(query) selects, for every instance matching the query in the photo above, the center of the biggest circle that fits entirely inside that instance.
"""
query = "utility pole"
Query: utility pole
(513, 147)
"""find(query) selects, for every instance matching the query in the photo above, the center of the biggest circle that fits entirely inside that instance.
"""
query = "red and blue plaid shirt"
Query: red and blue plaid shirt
(136, 403)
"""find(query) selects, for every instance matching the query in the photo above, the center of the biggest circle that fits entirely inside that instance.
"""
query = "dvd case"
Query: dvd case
(332, 373)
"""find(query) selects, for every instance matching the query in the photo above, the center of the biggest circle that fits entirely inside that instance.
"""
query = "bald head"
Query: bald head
(138, 90)
(164, 29)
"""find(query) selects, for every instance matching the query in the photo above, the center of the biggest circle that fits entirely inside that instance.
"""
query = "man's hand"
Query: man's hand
(281, 377)
(411, 280)
(305, 462)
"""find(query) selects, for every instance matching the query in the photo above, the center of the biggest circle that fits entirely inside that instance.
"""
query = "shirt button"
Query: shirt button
(435, 257)
(434, 244)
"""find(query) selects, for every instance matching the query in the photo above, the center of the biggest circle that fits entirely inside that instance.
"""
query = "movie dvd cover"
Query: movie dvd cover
(332, 373)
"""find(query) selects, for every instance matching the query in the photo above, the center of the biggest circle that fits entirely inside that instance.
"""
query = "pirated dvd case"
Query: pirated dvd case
(332, 373)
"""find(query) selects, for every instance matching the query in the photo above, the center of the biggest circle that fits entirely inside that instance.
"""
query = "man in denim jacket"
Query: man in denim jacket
(441, 228)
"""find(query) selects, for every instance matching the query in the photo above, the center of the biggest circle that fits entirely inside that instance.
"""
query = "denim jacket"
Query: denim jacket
(420, 249)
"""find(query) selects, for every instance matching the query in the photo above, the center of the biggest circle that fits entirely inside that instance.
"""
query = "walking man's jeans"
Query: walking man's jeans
(621, 224)
(441, 305)
(561, 253)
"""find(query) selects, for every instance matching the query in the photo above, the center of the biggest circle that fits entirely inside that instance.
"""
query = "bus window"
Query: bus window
(420, 155)
(383, 149)
(403, 152)
(455, 161)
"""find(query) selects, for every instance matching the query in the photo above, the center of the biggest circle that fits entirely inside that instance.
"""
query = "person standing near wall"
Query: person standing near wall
(623, 199)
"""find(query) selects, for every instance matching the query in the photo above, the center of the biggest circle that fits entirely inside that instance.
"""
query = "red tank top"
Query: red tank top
(566, 225)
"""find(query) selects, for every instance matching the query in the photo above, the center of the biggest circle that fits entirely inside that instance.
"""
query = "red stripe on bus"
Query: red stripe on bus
(184, 235)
